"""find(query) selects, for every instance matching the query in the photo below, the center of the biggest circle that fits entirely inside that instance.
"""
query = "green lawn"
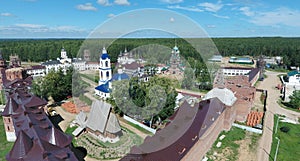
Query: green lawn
(139, 128)
(85, 99)
(228, 143)
(91, 77)
(289, 147)
(69, 130)
(5, 145)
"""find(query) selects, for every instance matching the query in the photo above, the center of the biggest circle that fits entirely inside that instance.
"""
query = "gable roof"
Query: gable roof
(113, 125)
(98, 116)
(22, 145)
(36, 67)
(56, 137)
(253, 73)
(10, 107)
(35, 101)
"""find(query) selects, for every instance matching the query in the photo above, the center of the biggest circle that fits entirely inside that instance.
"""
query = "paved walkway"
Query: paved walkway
(272, 108)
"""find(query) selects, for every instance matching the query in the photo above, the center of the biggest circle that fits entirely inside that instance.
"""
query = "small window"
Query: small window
(106, 63)
(107, 74)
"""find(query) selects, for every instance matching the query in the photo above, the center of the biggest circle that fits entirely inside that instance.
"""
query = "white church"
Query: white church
(64, 62)
(105, 76)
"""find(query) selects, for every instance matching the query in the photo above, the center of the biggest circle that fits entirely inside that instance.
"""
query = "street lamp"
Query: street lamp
(277, 148)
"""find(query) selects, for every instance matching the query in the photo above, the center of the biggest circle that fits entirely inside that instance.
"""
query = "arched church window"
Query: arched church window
(107, 74)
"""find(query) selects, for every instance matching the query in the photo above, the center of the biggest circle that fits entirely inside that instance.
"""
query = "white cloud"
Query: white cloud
(246, 11)
(122, 2)
(172, 1)
(211, 26)
(6, 14)
(104, 2)
(86, 7)
(111, 15)
(220, 16)
(194, 9)
(65, 29)
(172, 19)
(211, 6)
(37, 30)
(26, 25)
(279, 16)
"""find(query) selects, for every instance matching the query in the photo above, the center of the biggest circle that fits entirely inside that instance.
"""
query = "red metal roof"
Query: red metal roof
(177, 138)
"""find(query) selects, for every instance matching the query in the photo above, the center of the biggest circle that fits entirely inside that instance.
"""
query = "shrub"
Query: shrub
(285, 129)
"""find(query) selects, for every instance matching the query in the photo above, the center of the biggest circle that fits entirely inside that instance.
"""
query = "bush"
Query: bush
(285, 129)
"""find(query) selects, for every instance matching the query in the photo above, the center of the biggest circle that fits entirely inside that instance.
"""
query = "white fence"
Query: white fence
(127, 118)
(258, 131)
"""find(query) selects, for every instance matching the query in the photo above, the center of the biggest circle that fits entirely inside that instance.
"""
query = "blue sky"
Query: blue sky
(77, 18)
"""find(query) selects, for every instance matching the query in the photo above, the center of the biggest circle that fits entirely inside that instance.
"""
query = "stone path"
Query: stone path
(272, 108)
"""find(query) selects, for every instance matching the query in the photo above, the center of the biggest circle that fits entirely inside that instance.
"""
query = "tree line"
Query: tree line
(41, 50)
(37, 50)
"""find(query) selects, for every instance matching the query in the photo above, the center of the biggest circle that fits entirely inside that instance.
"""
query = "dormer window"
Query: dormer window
(195, 137)
(182, 151)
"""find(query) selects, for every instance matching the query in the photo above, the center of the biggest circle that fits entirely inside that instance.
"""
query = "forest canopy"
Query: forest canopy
(38, 50)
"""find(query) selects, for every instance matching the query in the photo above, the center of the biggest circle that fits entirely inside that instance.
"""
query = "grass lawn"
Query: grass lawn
(289, 142)
(91, 77)
(228, 143)
(5, 145)
(139, 128)
(69, 130)
(85, 99)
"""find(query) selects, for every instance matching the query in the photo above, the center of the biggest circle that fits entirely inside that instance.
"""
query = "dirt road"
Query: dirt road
(272, 108)
(68, 117)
